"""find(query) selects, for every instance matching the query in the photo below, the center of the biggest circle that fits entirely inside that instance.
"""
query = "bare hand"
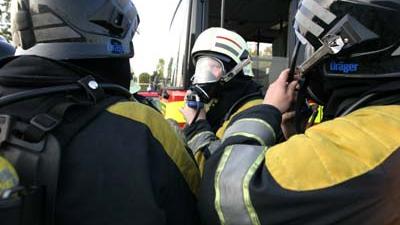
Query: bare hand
(280, 94)
(190, 113)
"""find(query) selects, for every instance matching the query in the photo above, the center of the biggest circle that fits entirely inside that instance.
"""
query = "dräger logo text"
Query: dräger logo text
(343, 67)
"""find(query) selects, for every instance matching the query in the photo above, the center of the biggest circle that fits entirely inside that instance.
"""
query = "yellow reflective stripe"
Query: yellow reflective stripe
(246, 188)
(201, 161)
(247, 105)
(163, 132)
(217, 180)
(8, 175)
(261, 133)
(336, 151)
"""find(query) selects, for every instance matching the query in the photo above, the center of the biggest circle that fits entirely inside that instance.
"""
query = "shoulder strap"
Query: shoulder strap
(36, 156)
(64, 133)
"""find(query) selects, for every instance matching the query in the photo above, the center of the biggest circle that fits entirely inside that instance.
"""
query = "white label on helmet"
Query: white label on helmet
(319, 11)
(308, 24)
(397, 52)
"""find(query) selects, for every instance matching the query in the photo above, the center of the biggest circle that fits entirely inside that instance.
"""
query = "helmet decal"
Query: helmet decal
(226, 47)
(224, 44)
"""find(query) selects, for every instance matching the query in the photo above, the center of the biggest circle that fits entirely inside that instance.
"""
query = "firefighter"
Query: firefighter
(222, 83)
(344, 170)
(126, 166)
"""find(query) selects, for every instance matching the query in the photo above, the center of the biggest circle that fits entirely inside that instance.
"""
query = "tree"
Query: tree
(267, 51)
(160, 67)
(144, 80)
(5, 25)
(169, 69)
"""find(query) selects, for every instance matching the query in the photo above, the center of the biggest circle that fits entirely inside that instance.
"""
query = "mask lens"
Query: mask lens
(208, 70)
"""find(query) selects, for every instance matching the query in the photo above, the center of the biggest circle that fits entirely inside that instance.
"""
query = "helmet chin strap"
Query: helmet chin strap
(239, 67)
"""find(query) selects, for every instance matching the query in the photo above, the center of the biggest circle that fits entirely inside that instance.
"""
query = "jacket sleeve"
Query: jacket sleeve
(338, 172)
(202, 141)
(224, 194)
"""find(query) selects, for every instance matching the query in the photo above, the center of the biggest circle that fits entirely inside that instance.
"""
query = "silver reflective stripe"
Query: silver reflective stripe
(235, 170)
(213, 147)
(325, 3)
(308, 24)
(45, 19)
(397, 52)
(55, 33)
(319, 11)
(253, 128)
(200, 140)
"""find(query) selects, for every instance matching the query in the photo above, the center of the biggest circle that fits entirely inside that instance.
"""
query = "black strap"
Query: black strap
(38, 162)
(45, 122)
(64, 133)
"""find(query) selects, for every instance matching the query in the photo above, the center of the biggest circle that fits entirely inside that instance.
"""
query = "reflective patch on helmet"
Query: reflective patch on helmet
(115, 47)
(396, 52)
(45, 19)
(344, 67)
(230, 40)
(226, 47)
(308, 25)
(319, 11)
(55, 33)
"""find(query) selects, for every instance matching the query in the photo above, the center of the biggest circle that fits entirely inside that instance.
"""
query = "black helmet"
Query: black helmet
(352, 41)
(6, 49)
(74, 29)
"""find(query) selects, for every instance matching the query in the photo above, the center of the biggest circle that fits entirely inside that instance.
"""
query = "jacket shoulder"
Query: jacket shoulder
(336, 151)
(173, 145)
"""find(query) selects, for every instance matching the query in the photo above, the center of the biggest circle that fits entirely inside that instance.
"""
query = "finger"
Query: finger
(287, 118)
(292, 87)
(288, 115)
(282, 79)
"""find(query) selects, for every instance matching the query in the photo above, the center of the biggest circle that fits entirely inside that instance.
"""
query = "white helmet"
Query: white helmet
(74, 29)
(226, 43)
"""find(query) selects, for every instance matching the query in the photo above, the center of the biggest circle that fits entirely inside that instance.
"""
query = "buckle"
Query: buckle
(44, 122)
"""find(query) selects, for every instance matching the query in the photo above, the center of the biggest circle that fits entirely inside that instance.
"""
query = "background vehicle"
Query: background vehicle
(265, 24)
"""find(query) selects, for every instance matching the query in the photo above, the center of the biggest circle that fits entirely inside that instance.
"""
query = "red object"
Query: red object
(176, 95)
(228, 39)
(150, 94)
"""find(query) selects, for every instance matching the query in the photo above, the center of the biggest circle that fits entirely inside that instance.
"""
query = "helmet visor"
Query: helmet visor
(208, 70)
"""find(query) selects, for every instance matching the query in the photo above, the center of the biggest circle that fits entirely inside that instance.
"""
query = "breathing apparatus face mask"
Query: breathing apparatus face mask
(210, 75)
(206, 79)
